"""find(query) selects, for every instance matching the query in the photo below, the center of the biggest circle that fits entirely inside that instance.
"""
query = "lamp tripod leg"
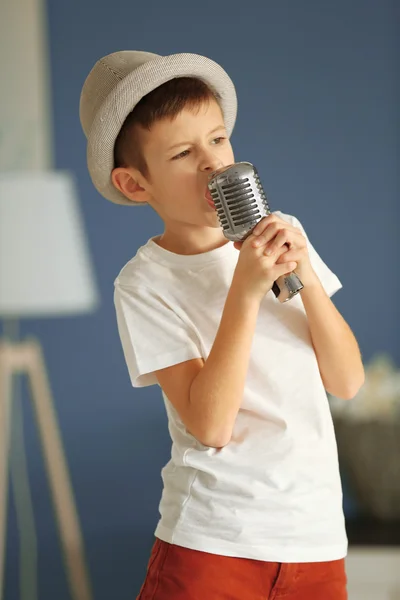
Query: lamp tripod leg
(58, 476)
(5, 405)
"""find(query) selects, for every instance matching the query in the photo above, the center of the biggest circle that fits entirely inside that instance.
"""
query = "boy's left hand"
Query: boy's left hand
(273, 232)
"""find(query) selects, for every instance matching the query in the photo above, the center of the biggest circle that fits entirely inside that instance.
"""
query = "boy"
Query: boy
(252, 502)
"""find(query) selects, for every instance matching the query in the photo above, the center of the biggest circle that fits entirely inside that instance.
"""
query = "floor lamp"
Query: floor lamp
(45, 271)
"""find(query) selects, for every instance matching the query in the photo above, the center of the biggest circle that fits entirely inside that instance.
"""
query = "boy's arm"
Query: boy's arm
(335, 346)
(217, 391)
(207, 395)
(337, 351)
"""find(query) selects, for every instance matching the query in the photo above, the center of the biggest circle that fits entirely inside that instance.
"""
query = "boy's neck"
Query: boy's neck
(190, 247)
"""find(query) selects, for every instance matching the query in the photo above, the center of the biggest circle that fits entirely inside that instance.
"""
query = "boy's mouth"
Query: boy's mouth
(209, 199)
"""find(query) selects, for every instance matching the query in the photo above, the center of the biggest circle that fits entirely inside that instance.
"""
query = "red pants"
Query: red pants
(176, 573)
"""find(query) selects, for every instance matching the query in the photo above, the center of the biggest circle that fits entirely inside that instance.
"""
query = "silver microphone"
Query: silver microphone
(241, 203)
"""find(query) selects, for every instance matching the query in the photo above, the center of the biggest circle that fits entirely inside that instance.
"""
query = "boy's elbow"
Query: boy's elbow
(349, 391)
(208, 431)
(356, 385)
(217, 443)
(353, 391)
(215, 439)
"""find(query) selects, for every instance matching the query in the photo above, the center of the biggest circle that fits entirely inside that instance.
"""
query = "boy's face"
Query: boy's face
(181, 154)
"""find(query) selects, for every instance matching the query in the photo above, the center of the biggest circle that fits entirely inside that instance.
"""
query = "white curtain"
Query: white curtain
(25, 108)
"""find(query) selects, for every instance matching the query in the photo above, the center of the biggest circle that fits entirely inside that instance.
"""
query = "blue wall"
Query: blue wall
(318, 115)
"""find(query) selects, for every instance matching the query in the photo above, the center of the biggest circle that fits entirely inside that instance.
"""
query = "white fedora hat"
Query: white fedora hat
(115, 85)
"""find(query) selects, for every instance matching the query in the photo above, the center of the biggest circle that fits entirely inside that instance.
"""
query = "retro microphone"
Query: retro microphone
(241, 203)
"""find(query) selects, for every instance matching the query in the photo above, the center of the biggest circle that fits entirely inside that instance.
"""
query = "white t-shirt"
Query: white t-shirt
(273, 493)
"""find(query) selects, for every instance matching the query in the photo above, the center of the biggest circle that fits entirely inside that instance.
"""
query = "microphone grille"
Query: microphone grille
(239, 199)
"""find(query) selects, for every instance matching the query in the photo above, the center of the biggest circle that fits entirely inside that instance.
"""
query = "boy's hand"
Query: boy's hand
(273, 233)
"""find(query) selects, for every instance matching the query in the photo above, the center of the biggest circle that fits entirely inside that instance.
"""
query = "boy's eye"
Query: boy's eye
(181, 155)
(219, 139)
(186, 152)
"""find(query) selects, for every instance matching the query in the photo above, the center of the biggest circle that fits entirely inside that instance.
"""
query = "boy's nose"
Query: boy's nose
(211, 164)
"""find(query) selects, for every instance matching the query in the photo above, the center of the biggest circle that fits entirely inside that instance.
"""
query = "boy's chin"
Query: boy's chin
(212, 218)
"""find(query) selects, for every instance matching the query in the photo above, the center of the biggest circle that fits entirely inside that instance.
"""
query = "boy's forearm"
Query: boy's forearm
(217, 391)
(335, 346)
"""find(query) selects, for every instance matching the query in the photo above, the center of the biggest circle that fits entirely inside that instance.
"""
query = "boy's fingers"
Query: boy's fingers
(278, 251)
(263, 224)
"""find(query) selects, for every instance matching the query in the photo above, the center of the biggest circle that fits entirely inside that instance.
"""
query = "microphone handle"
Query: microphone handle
(287, 286)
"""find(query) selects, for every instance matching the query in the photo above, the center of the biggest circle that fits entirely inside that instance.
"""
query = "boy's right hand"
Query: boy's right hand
(255, 273)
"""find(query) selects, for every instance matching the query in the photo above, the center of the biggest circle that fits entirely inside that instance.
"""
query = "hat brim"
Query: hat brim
(124, 97)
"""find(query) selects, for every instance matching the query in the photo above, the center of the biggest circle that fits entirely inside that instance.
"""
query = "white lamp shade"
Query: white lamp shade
(45, 267)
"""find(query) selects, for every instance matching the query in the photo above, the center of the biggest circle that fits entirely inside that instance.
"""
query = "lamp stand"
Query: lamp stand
(27, 357)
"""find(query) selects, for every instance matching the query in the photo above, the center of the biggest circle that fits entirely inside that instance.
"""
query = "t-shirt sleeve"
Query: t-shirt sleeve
(329, 280)
(153, 336)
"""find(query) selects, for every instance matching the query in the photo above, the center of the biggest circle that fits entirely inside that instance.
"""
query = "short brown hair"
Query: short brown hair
(166, 101)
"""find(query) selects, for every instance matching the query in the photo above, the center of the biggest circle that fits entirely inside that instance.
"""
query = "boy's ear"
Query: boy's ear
(125, 183)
